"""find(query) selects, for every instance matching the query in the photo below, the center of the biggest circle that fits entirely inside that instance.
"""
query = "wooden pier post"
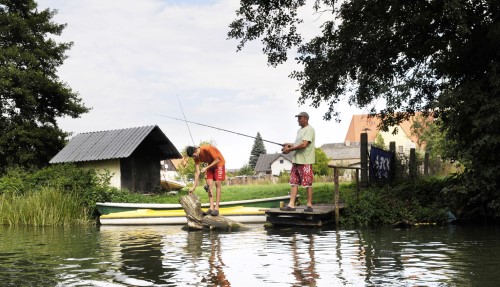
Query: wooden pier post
(413, 165)
(392, 148)
(336, 189)
(364, 159)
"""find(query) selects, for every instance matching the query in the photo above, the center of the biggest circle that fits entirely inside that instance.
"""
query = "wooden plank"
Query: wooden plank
(298, 222)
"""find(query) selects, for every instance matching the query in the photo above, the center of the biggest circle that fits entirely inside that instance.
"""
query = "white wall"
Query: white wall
(111, 165)
(280, 164)
(402, 140)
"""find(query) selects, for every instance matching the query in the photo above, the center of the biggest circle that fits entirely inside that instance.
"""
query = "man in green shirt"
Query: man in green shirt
(302, 160)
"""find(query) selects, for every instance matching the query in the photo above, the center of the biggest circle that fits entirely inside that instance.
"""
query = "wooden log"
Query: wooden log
(197, 220)
(192, 207)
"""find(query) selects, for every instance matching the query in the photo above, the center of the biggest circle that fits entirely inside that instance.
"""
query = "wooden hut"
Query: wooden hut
(132, 155)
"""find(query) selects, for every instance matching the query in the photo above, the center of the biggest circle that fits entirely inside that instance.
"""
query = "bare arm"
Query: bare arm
(196, 177)
(290, 147)
(213, 163)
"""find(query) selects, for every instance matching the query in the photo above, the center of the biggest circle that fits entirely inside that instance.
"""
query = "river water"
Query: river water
(169, 256)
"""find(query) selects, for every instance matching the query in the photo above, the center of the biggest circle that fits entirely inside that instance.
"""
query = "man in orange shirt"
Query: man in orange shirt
(215, 171)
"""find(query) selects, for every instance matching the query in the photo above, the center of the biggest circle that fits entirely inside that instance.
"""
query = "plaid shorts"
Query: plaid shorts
(301, 174)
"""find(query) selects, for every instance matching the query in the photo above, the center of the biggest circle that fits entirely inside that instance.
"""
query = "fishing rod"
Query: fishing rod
(185, 120)
(224, 130)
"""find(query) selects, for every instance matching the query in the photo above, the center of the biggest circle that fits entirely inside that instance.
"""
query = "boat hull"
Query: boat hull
(178, 217)
(113, 207)
(171, 185)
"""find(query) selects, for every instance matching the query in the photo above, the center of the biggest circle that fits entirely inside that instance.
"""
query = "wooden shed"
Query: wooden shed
(132, 155)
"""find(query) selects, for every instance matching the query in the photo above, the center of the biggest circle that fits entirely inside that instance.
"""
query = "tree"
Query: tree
(258, 148)
(379, 141)
(32, 96)
(246, 170)
(432, 137)
(321, 165)
(438, 57)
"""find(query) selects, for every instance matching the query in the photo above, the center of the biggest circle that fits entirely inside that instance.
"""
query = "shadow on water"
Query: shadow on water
(141, 257)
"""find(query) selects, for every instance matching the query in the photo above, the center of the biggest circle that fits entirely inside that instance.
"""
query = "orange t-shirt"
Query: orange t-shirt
(208, 154)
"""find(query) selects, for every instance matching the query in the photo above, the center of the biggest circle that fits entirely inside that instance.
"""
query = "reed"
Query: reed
(47, 206)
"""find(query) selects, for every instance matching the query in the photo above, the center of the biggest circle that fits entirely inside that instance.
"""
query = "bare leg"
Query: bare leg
(293, 194)
(210, 197)
(218, 187)
(309, 196)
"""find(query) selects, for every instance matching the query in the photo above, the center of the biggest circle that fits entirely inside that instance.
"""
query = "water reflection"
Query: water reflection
(170, 256)
(141, 257)
(304, 269)
(216, 265)
(302, 250)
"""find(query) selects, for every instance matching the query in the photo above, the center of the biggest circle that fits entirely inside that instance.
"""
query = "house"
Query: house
(132, 156)
(273, 164)
(404, 138)
(348, 152)
(361, 124)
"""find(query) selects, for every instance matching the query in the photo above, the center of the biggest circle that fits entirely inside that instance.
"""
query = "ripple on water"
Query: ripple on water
(170, 256)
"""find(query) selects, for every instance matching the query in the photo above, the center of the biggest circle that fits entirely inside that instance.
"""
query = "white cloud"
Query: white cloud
(132, 60)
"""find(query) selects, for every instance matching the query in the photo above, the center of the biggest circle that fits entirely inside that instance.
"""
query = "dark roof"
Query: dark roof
(339, 151)
(265, 160)
(114, 144)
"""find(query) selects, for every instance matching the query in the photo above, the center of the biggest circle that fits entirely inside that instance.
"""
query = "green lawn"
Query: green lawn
(322, 192)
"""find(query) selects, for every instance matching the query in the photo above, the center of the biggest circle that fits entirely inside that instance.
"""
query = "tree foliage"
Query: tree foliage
(32, 96)
(321, 165)
(438, 57)
(431, 136)
(258, 148)
(246, 170)
(379, 141)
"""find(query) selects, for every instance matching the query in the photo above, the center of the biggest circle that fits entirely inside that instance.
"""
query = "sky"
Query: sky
(136, 63)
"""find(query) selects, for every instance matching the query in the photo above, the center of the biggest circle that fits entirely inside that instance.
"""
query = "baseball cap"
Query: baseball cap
(303, 114)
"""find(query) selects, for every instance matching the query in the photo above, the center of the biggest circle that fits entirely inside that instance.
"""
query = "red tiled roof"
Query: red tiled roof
(360, 124)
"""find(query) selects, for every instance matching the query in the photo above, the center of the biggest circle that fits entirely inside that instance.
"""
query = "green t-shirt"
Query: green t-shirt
(305, 155)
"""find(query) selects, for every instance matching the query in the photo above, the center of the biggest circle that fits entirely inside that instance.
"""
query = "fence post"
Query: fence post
(337, 194)
(426, 163)
(413, 164)
(392, 149)
(364, 159)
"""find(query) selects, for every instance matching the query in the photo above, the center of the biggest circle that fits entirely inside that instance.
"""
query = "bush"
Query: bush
(415, 202)
(86, 185)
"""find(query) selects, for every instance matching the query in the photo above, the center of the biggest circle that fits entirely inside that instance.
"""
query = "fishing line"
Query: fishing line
(224, 130)
(179, 100)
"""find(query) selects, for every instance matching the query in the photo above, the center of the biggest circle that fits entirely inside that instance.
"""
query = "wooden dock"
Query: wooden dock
(322, 215)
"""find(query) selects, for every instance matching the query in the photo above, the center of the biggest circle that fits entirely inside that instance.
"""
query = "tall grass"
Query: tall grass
(46, 206)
